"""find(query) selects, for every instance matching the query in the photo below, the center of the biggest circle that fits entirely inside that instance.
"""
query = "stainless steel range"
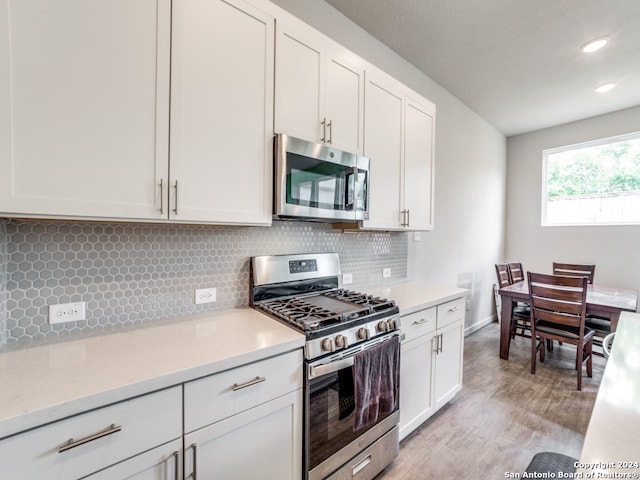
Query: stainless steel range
(351, 362)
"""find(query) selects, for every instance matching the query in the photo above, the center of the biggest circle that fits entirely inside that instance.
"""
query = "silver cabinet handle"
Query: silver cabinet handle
(161, 197)
(330, 125)
(76, 443)
(176, 464)
(454, 309)
(324, 129)
(419, 322)
(250, 383)
(175, 210)
(405, 218)
(193, 474)
(440, 343)
(408, 217)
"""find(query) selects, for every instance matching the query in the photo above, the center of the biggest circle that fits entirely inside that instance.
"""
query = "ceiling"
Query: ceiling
(517, 63)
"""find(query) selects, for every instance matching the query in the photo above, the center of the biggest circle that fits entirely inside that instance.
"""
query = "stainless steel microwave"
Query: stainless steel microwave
(318, 182)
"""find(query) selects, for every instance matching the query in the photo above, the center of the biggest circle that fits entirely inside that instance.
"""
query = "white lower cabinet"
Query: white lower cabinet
(84, 444)
(431, 362)
(263, 442)
(242, 423)
(448, 363)
(246, 423)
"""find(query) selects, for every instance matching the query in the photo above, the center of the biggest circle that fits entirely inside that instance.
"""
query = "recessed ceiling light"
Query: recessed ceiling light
(605, 88)
(594, 45)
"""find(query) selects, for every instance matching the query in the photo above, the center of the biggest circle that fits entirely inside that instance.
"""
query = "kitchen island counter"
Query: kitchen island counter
(612, 443)
(46, 383)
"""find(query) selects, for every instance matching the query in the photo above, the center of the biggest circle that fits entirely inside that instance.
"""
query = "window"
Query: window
(593, 183)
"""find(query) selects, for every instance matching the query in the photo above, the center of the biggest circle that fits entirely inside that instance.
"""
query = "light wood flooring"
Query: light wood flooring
(502, 416)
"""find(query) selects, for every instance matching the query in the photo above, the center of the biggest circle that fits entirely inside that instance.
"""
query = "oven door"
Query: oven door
(319, 182)
(330, 413)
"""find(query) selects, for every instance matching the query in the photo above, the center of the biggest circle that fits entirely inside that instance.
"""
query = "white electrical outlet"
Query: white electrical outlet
(205, 295)
(386, 272)
(347, 278)
(416, 236)
(66, 312)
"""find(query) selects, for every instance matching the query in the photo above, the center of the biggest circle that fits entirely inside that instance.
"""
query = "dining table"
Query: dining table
(603, 301)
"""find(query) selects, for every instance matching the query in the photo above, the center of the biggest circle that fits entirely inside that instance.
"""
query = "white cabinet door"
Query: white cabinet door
(263, 442)
(384, 99)
(448, 351)
(319, 88)
(221, 113)
(418, 164)
(160, 463)
(344, 100)
(416, 396)
(84, 89)
(299, 86)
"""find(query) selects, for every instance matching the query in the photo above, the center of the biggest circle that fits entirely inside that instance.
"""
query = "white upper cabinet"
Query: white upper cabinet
(221, 113)
(84, 100)
(384, 147)
(319, 88)
(419, 135)
(399, 140)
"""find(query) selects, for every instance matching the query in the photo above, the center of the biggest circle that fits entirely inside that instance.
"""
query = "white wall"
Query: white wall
(468, 238)
(615, 250)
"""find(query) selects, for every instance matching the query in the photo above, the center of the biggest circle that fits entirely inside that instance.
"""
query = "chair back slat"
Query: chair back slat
(574, 270)
(557, 317)
(557, 293)
(502, 272)
(515, 272)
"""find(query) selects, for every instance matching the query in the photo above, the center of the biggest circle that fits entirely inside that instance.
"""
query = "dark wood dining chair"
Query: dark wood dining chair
(521, 323)
(575, 270)
(520, 313)
(601, 325)
(516, 273)
(558, 311)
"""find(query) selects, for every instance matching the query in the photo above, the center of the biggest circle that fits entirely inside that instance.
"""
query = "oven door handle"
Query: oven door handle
(327, 368)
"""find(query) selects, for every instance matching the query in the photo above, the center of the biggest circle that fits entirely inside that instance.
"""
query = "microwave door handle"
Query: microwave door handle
(350, 189)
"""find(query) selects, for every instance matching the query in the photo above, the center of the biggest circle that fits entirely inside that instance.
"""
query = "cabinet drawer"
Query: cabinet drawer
(450, 312)
(418, 323)
(218, 396)
(80, 445)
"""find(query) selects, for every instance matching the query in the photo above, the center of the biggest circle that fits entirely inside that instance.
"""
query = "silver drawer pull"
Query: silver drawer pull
(249, 383)
(420, 322)
(76, 443)
(454, 309)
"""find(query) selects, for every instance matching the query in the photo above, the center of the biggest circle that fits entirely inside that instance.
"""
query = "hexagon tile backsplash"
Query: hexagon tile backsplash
(131, 274)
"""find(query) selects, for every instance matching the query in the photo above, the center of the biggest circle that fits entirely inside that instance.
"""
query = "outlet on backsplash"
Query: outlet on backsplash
(386, 272)
(347, 278)
(205, 295)
(66, 312)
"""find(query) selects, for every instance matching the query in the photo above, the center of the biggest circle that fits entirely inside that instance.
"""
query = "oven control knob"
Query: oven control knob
(382, 326)
(341, 341)
(327, 345)
(363, 333)
(392, 324)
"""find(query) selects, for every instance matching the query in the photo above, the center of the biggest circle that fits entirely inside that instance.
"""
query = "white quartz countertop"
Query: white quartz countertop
(413, 296)
(612, 443)
(49, 382)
